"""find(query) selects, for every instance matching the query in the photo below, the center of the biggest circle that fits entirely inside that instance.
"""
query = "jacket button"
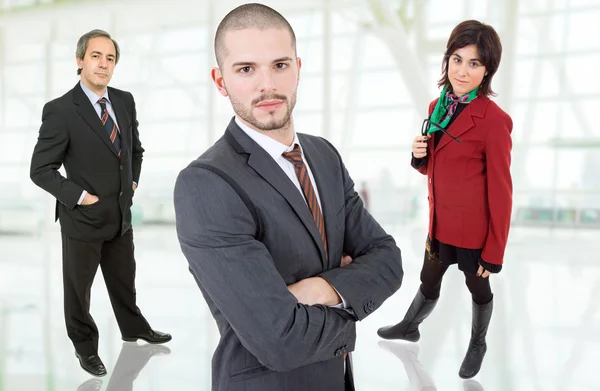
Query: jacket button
(121, 193)
(121, 167)
(369, 307)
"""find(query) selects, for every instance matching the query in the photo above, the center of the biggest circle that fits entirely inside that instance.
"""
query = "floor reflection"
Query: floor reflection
(132, 360)
(542, 335)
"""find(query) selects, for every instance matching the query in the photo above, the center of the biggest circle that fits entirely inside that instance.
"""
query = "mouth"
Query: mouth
(461, 81)
(269, 105)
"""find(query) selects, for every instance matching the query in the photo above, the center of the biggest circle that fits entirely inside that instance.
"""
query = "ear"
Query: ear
(79, 62)
(217, 78)
(299, 64)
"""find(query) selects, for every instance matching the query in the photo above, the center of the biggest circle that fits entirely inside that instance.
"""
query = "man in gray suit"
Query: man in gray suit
(279, 242)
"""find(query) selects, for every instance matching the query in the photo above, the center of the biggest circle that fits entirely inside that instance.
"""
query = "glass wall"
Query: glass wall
(369, 70)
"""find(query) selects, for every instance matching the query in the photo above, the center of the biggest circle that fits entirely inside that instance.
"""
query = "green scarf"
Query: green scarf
(446, 106)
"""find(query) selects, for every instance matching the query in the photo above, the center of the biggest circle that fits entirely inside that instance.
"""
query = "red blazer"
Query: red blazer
(469, 183)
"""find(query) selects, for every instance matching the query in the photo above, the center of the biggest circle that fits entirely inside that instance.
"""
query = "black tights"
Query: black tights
(431, 282)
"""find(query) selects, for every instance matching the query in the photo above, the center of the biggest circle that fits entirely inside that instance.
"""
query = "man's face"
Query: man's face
(259, 73)
(98, 64)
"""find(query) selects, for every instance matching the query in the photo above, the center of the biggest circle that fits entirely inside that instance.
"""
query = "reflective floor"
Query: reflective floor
(544, 333)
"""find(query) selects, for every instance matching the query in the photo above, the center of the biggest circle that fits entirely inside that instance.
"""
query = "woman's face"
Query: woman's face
(465, 70)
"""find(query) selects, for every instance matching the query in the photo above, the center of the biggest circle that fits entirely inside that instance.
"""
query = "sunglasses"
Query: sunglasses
(427, 125)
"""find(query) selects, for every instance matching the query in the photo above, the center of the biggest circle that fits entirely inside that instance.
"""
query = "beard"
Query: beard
(273, 123)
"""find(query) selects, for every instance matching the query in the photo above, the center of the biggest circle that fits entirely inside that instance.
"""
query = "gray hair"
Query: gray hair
(82, 44)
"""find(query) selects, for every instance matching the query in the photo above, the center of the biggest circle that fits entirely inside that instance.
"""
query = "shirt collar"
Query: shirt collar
(272, 146)
(92, 96)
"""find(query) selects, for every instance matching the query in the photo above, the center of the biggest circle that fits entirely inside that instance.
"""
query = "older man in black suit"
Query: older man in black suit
(92, 130)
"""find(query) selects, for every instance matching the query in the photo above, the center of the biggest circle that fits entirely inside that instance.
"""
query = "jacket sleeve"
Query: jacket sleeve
(216, 234)
(376, 270)
(137, 150)
(47, 158)
(420, 164)
(498, 148)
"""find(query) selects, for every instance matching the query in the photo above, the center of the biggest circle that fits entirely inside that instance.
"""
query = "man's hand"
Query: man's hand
(89, 199)
(134, 186)
(315, 290)
(346, 260)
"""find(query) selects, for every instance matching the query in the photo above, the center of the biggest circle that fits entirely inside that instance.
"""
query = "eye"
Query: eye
(475, 64)
(245, 70)
(457, 60)
(281, 65)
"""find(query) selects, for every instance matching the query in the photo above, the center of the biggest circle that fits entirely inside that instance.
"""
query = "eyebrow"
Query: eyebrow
(282, 59)
(249, 63)
(473, 59)
(97, 52)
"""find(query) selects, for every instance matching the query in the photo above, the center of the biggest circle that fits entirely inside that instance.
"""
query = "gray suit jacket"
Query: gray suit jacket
(244, 254)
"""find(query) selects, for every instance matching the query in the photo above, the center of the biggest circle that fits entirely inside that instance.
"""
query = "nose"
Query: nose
(462, 69)
(266, 82)
(103, 63)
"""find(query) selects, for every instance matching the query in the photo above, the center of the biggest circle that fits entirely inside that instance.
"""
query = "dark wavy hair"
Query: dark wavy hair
(489, 47)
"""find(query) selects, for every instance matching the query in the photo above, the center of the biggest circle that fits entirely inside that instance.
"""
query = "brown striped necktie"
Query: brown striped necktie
(295, 157)
(110, 126)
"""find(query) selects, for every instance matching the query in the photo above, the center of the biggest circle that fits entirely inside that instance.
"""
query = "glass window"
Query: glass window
(582, 27)
(384, 128)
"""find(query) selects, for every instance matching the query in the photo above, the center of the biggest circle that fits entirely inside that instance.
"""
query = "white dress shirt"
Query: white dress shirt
(276, 149)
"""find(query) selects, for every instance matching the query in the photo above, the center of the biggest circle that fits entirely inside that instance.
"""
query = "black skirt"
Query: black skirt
(447, 254)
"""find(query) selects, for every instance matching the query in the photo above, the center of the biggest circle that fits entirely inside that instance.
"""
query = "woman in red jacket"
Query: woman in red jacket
(465, 152)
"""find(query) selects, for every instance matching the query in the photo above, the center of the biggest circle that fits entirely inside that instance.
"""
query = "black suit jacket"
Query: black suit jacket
(72, 135)
(270, 342)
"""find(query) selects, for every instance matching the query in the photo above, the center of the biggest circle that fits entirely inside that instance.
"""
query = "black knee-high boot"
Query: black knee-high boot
(408, 329)
(482, 315)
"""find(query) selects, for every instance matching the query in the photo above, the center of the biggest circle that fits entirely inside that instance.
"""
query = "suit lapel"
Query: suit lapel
(88, 113)
(463, 123)
(119, 107)
(316, 162)
(264, 165)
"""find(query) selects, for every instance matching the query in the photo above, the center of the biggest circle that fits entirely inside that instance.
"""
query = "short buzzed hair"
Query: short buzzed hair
(252, 15)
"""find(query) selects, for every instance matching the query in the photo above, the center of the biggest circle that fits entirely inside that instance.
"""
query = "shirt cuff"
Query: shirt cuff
(343, 305)
(490, 267)
(417, 163)
(83, 194)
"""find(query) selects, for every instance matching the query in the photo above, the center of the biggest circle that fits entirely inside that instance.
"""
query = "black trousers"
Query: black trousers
(80, 263)
(433, 272)
(348, 376)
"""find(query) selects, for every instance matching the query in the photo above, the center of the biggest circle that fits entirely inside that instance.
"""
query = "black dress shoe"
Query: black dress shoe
(92, 364)
(150, 336)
